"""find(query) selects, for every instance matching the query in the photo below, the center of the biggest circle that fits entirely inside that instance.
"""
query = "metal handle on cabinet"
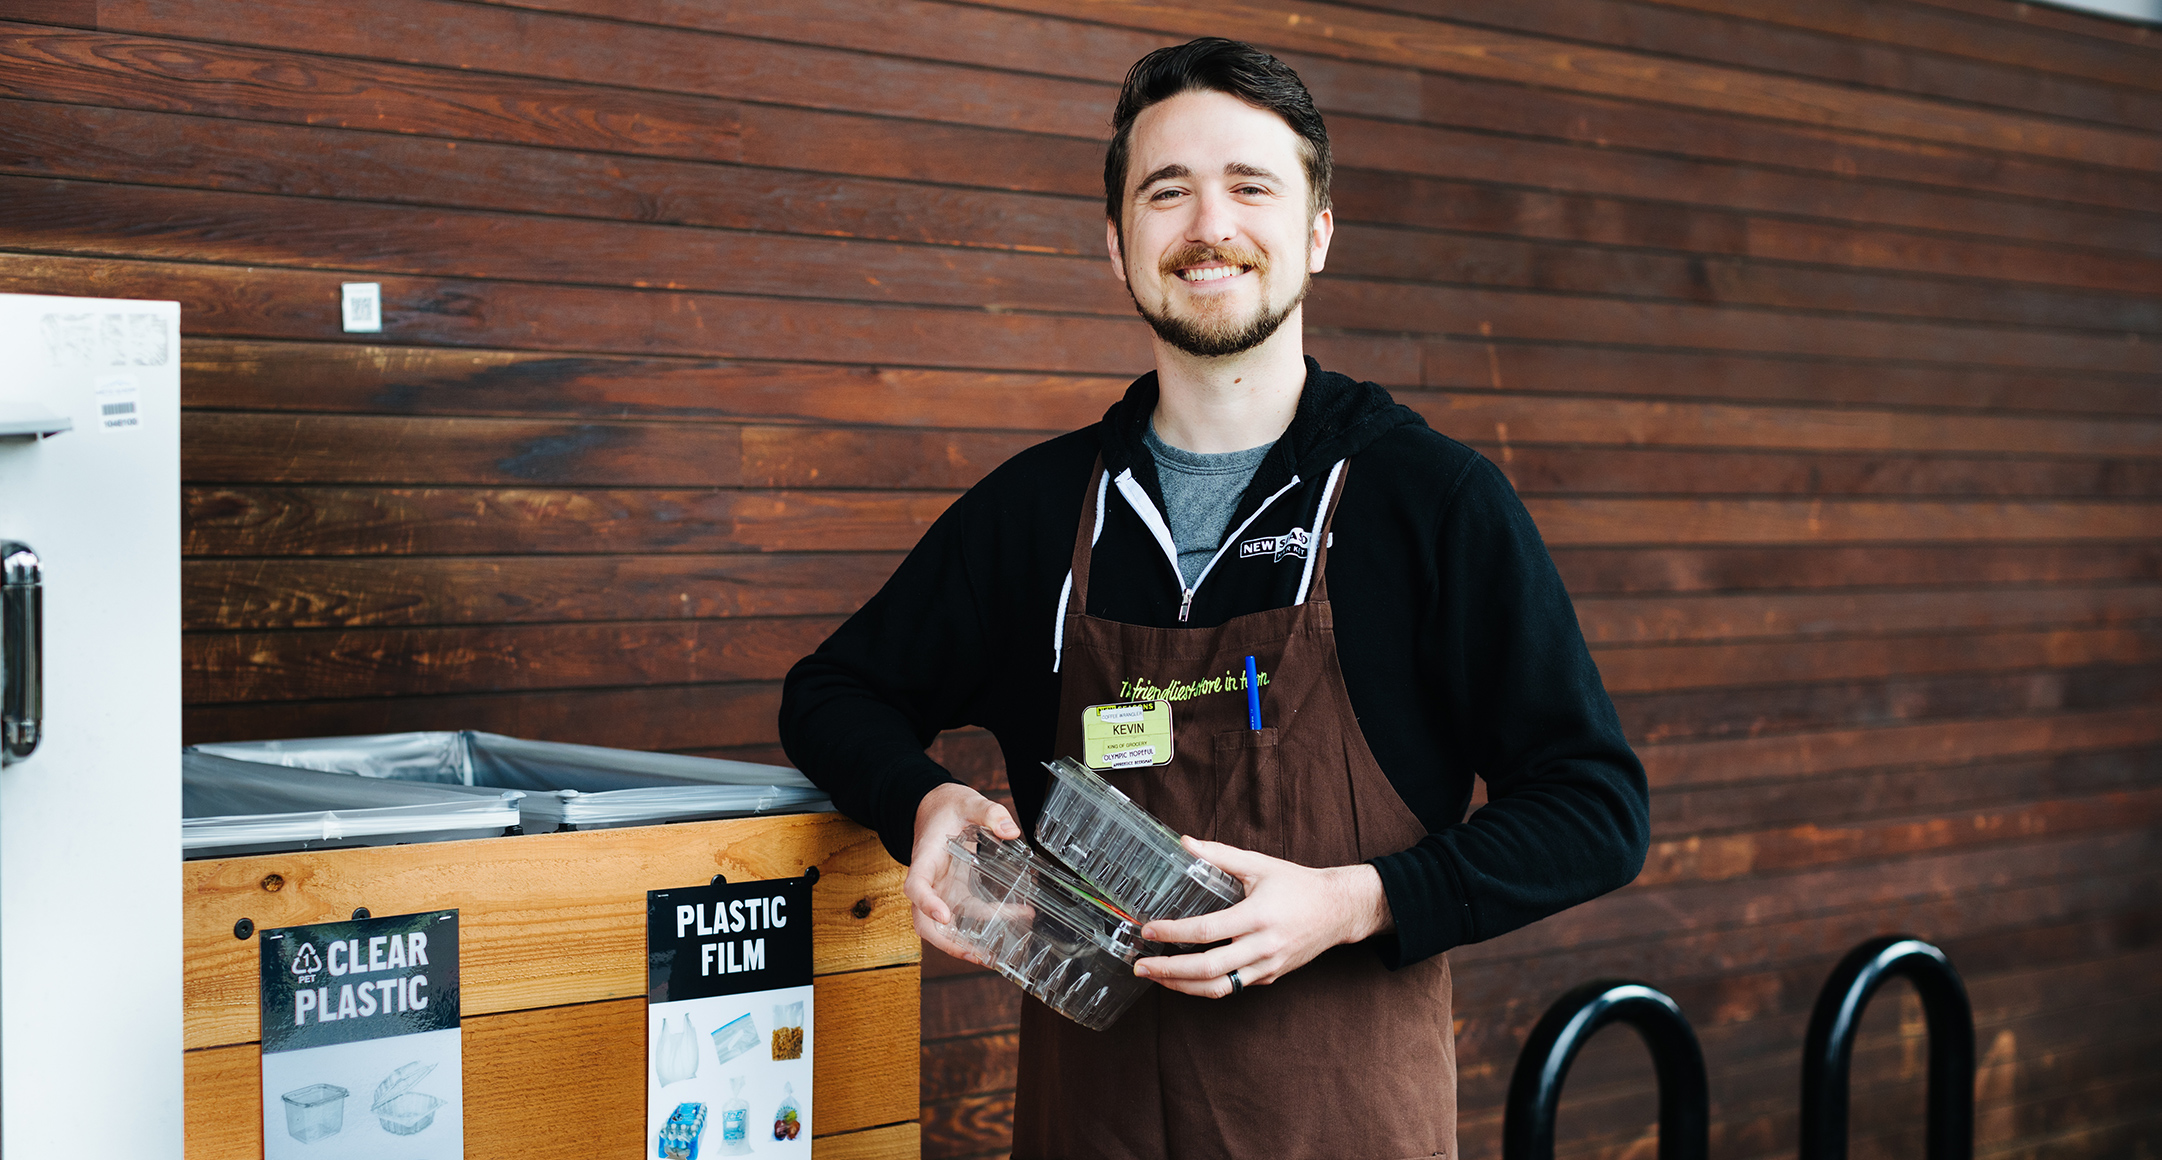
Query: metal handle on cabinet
(22, 667)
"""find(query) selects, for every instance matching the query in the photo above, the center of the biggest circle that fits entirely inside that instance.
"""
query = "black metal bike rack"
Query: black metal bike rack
(1535, 1090)
(1829, 1052)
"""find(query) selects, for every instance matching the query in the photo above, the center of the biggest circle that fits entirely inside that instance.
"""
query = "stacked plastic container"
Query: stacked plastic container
(1067, 928)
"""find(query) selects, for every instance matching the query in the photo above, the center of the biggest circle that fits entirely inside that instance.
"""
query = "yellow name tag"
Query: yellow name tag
(1126, 735)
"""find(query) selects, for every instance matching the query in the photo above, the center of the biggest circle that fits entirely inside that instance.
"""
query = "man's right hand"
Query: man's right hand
(944, 812)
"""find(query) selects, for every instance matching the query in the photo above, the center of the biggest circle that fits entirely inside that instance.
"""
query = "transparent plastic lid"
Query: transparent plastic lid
(1123, 852)
(1042, 928)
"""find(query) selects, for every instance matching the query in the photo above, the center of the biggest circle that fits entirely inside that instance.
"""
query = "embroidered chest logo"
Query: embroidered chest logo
(1292, 543)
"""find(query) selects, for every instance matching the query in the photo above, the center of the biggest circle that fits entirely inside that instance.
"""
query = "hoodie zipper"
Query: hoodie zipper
(1138, 499)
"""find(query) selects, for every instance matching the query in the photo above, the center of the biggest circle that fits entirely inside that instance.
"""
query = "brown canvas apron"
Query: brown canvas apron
(1341, 1058)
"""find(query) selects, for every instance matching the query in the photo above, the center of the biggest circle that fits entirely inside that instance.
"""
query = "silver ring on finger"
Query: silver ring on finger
(1236, 985)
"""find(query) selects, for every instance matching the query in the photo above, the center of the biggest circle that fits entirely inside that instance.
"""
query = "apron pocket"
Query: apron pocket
(1249, 799)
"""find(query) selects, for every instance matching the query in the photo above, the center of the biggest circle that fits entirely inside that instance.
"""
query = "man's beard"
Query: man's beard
(1217, 337)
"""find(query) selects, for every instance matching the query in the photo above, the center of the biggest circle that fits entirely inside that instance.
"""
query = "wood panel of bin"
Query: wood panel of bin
(552, 940)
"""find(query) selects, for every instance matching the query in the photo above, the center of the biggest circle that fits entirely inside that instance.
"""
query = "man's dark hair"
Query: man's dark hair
(1214, 64)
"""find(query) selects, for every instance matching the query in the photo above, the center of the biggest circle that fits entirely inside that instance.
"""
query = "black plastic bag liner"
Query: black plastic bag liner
(566, 786)
(230, 807)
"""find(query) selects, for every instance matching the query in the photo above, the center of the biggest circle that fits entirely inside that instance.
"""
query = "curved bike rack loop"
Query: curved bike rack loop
(1829, 1053)
(1535, 1090)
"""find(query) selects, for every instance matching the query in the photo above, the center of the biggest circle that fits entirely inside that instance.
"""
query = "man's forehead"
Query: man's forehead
(1205, 133)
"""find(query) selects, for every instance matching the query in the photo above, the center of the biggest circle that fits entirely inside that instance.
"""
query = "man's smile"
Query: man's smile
(1215, 273)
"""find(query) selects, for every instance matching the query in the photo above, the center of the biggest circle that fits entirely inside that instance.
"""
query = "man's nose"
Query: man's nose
(1214, 221)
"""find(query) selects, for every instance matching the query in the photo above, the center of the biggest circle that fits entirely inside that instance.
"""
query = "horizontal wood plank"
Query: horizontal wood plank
(419, 662)
(258, 521)
(277, 521)
(363, 379)
(568, 1081)
(579, 940)
(1712, 858)
(1552, 470)
(1672, 521)
(1734, 217)
(662, 717)
(428, 381)
(1768, 758)
(1590, 570)
(363, 592)
(1596, 422)
(1664, 717)
(1662, 668)
(1641, 619)
(259, 448)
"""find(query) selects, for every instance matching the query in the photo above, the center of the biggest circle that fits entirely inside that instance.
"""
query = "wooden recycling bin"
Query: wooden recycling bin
(552, 971)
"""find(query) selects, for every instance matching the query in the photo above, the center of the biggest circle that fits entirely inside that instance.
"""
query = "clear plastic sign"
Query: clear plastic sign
(361, 1049)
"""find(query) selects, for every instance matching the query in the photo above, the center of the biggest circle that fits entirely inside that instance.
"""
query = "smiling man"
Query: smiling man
(1408, 627)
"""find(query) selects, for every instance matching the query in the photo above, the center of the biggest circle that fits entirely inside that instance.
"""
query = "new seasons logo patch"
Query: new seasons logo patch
(1292, 543)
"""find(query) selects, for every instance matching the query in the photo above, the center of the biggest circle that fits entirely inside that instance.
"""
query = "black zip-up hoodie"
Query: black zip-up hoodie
(1460, 651)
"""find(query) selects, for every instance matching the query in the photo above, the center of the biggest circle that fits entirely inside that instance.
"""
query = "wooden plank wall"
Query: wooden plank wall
(1824, 341)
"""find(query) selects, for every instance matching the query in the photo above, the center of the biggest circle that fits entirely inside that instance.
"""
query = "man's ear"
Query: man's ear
(1111, 243)
(1317, 254)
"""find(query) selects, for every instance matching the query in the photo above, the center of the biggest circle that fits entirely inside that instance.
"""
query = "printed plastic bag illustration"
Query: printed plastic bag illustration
(734, 1038)
(788, 1030)
(679, 1136)
(675, 1053)
(788, 1121)
(735, 1120)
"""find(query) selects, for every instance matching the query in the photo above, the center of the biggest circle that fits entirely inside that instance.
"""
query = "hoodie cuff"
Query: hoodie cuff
(900, 792)
(1427, 904)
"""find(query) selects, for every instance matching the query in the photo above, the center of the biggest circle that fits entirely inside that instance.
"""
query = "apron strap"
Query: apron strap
(1075, 594)
(1315, 584)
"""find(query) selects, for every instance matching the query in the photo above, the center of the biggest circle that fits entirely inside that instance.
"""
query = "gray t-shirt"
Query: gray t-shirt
(1200, 493)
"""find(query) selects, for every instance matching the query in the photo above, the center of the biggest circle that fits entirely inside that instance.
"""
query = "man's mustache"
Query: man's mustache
(1195, 255)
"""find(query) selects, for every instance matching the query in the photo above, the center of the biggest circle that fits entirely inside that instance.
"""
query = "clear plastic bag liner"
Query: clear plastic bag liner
(577, 786)
(237, 807)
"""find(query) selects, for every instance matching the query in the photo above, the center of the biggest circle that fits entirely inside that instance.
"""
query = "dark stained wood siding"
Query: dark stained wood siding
(1824, 341)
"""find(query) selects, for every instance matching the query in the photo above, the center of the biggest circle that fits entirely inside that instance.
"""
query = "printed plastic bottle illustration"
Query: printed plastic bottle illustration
(735, 1120)
(675, 1053)
(679, 1136)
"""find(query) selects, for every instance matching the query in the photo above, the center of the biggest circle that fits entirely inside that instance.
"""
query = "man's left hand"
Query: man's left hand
(1290, 914)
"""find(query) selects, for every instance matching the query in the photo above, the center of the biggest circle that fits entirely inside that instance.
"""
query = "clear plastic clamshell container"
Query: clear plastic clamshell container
(401, 1110)
(1041, 928)
(1123, 851)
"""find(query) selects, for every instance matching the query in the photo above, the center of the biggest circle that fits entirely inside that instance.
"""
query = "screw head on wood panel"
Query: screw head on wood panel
(810, 875)
(243, 928)
(361, 912)
(719, 880)
(273, 882)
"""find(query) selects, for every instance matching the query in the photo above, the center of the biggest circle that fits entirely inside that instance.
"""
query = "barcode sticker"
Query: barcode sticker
(118, 399)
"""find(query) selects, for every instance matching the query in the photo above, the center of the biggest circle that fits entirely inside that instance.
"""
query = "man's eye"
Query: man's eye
(1252, 191)
(1165, 194)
